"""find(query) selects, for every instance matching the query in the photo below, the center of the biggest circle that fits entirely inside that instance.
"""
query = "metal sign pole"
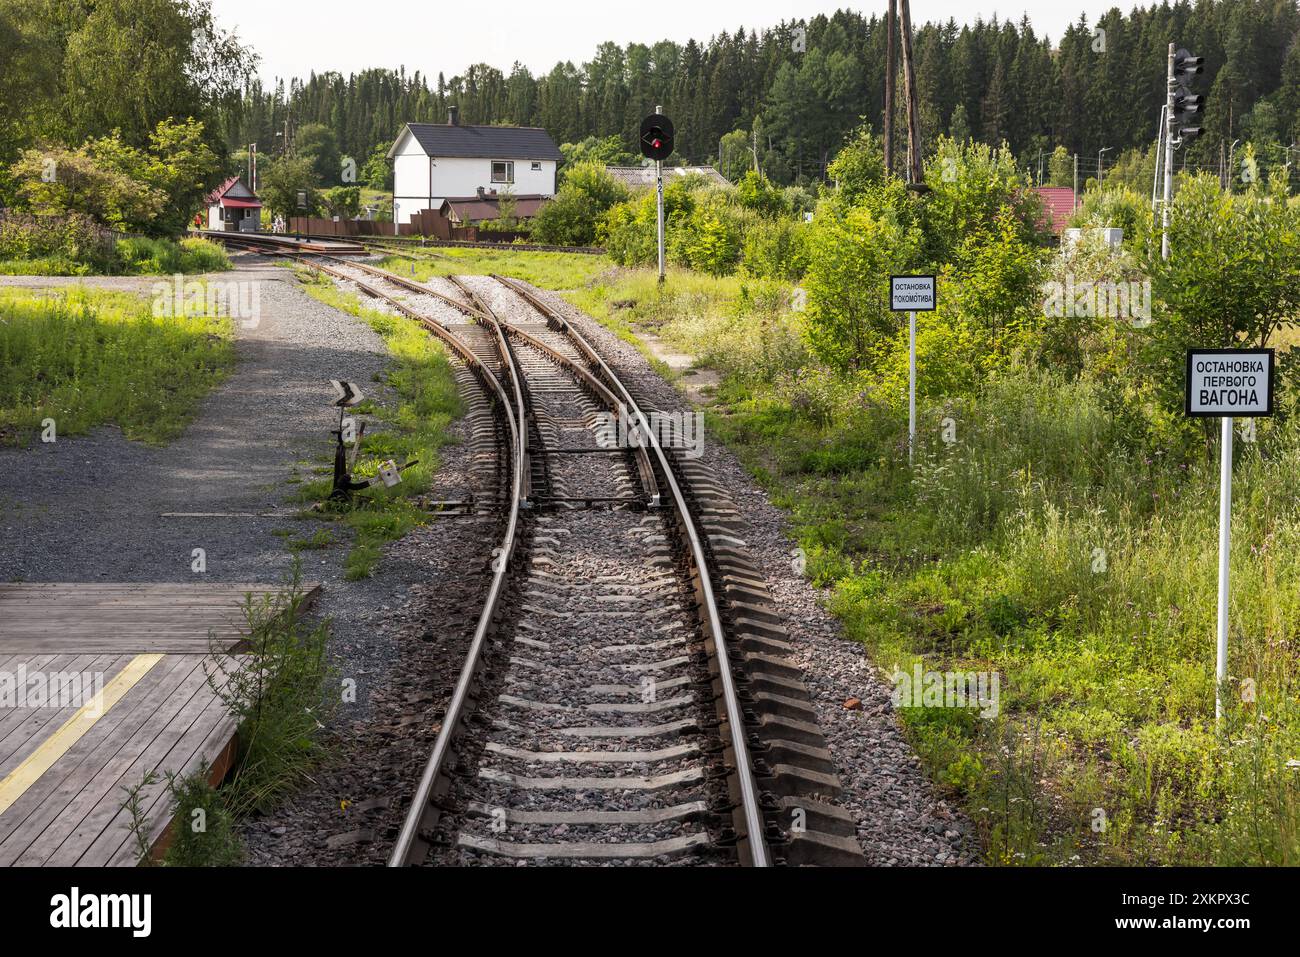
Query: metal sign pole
(1225, 541)
(1227, 384)
(911, 385)
(659, 188)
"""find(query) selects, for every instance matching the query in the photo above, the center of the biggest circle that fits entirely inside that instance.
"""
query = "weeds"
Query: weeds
(277, 692)
(427, 403)
(203, 826)
(139, 823)
(81, 358)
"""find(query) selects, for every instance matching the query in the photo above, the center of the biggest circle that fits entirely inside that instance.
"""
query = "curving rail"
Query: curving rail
(410, 845)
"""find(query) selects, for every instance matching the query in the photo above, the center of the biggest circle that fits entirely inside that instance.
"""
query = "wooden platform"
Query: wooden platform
(101, 685)
(166, 618)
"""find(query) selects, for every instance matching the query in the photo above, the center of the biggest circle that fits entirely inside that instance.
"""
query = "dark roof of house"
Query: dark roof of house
(1058, 206)
(486, 142)
(470, 209)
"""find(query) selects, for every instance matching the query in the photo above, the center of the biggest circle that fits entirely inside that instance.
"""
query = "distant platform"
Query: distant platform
(100, 685)
(286, 242)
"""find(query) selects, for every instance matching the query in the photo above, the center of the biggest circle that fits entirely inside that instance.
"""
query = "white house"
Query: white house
(433, 162)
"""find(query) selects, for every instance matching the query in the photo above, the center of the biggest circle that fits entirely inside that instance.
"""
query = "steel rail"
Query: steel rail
(756, 839)
(412, 285)
(409, 840)
(644, 466)
(409, 843)
(488, 318)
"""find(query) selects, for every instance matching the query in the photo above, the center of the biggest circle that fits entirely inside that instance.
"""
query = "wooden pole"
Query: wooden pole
(890, 71)
(909, 91)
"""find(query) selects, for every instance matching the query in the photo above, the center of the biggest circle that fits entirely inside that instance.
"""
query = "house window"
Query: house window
(537, 166)
(503, 171)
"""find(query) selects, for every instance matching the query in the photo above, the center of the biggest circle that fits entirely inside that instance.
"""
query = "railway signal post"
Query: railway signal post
(1181, 105)
(657, 144)
(1227, 383)
(912, 294)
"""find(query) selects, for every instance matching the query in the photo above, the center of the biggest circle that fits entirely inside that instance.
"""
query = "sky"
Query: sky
(295, 37)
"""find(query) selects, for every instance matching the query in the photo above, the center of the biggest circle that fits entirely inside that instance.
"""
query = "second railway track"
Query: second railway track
(625, 697)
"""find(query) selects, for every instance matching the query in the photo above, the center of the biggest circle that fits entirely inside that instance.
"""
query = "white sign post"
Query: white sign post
(1227, 383)
(911, 294)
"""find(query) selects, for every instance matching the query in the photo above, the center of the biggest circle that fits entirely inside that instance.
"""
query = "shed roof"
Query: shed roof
(635, 177)
(482, 142)
(1058, 206)
(470, 209)
(229, 191)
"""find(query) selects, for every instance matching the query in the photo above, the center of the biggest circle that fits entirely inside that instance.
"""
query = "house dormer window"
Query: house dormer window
(503, 171)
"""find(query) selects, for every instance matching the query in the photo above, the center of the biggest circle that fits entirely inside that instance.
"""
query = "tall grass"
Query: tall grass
(141, 256)
(133, 256)
(1039, 535)
(1036, 545)
(84, 358)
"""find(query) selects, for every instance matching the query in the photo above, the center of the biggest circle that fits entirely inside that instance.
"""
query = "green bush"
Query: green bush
(570, 219)
(852, 253)
(776, 249)
(73, 238)
(203, 255)
(757, 193)
(1116, 207)
(575, 216)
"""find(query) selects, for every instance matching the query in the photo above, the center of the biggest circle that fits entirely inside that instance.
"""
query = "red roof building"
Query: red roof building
(1058, 206)
(233, 207)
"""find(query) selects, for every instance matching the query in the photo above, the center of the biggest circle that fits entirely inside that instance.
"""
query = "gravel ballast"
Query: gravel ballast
(901, 819)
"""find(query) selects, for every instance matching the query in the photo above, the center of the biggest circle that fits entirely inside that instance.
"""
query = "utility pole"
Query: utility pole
(1076, 181)
(915, 174)
(890, 73)
(1160, 144)
(1170, 86)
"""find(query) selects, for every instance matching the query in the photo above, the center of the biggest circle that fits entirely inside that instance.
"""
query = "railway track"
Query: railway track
(387, 244)
(624, 697)
(393, 244)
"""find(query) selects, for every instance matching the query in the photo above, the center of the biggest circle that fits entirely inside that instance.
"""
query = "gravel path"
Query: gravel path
(90, 507)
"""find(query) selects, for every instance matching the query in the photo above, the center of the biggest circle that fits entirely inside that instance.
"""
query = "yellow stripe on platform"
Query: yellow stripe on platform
(15, 785)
